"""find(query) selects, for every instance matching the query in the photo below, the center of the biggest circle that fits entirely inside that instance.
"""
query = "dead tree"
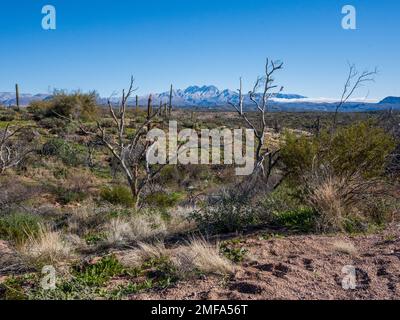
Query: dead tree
(15, 145)
(129, 152)
(265, 159)
(354, 81)
(170, 101)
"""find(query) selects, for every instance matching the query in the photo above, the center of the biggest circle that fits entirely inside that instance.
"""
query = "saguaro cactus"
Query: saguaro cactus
(137, 104)
(170, 101)
(17, 94)
(149, 111)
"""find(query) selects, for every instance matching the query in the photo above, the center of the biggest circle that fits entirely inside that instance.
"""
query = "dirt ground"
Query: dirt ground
(302, 267)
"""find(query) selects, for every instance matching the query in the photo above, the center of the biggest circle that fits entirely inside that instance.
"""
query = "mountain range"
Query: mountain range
(210, 97)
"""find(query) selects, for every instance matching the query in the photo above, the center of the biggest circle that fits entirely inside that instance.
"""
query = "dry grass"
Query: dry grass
(198, 254)
(118, 231)
(145, 227)
(338, 198)
(345, 247)
(326, 196)
(201, 255)
(48, 247)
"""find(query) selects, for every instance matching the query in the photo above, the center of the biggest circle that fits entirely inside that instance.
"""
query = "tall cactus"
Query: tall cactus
(137, 104)
(17, 94)
(170, 101)
(149, 111)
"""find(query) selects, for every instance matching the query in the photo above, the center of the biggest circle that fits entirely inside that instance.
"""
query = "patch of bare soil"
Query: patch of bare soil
(303, 267)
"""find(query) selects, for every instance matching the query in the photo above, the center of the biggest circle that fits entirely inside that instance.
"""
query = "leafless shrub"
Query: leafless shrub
(354, 81)
(15, 145)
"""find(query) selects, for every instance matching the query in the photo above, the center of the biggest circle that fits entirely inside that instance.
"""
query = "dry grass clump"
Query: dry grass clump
(198, 255)
(118, 231)
(327, 196)
(47, 247)
(145, 227)
(86, 217)
(341, 199)
(203, 256)
(143, 252)
(345, 247)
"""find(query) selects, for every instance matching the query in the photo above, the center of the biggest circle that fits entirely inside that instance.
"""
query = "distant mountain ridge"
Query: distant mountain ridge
(390, 100)
(210, 97)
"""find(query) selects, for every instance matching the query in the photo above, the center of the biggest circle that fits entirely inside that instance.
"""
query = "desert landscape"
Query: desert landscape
(214, 151)
(80, 198)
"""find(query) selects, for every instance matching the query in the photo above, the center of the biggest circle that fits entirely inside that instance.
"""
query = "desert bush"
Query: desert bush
(39, 109)
(163, 200)
(232, 252)
(70, 154)
(67, 196)
(118, 195)
(344, 201)
(286, 197)
(79, 180)
(227, 214)
(76, 105)
(118, 231)
(18, 227)
(87, 219)
(302, 219)
(14, 192)
(99, 273)
(361, 147)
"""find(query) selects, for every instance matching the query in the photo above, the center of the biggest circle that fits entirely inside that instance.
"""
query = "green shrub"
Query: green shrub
(94, 238)
(361, 147)
(77, 105)
(70, 154)
(99, 273)
(302, 220)
(17, 227)
(66, 196)
(285, 198)
(118, 195)
(39, 109)
(163, 200)
(232, 253)
(227, 215)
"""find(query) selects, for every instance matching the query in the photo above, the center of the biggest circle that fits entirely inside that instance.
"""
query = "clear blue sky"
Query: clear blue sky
(99, 43)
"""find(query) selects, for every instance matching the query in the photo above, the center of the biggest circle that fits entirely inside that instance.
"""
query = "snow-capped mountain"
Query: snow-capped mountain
(205, 96)
(8, 98)
(198, 96)
(211, 97)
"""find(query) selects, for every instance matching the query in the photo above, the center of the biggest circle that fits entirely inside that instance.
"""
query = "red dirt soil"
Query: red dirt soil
(302, 267)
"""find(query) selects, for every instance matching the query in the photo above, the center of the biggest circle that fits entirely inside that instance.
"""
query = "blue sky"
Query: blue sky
(98, 44)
